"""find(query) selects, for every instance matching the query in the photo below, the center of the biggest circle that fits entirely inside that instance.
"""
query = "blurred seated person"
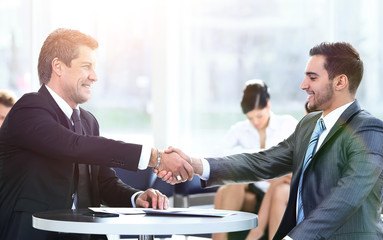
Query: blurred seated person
(273, 205)
(7, 100)
(262, 129)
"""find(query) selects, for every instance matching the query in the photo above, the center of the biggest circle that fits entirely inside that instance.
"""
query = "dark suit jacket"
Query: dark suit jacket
(38, 150)
(342, 187)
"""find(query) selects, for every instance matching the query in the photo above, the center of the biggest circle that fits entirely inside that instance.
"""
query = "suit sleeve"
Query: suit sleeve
(37, 129)
(113, 192)
(250, 167)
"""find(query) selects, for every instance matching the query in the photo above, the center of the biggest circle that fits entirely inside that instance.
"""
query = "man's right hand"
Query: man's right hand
(173, 167)
(171, 177)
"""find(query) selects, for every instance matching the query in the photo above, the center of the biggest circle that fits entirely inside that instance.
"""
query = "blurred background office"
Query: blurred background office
(172, 71)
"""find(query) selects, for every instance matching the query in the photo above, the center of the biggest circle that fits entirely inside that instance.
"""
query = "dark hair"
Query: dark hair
(308, 109)
(341, 58)
(255, 96)
(63, 44)
(7, 98)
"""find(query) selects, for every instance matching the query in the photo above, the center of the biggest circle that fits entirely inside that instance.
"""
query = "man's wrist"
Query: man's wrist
(197, 166)
(134, 198)
(153, 158)
(206, 169)
(158, 160)
(143, 162)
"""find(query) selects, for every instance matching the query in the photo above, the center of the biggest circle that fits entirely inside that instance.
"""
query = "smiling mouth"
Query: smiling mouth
(310, 93)
(87, 86)
(310, 96)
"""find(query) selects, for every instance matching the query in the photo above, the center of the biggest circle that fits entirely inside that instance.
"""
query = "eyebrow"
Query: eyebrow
(312, 73)
(87, 63)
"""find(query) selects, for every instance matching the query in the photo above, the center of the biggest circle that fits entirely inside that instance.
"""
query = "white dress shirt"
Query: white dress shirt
(244, 137)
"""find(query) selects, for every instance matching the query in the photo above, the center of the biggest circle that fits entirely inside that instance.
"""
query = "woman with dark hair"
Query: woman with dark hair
(262, 129)
(7, 100)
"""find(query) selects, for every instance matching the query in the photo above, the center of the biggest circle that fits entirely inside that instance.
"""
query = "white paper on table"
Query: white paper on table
(125, 211)
(190, 212)
(170, 212)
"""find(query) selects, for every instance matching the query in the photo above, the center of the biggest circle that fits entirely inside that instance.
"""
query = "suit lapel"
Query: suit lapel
(306, 131)
(343, 120)
(63, 119)
(306, 135)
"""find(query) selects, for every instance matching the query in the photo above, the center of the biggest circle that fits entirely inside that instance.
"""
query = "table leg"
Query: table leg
(146, 237)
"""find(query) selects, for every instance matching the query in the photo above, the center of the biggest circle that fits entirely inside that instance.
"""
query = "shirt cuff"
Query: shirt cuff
(287, 238)
(133, 197)
(206, 169)
(145, 157)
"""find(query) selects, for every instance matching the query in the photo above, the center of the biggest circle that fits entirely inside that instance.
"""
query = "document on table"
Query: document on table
(118, 210)
(197, 212)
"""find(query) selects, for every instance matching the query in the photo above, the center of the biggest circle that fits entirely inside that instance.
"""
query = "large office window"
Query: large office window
(171, 72)
(15, 46)
(228, 42)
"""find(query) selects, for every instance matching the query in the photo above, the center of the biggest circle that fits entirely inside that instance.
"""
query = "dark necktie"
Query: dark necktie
(319, 128)
(81, 170)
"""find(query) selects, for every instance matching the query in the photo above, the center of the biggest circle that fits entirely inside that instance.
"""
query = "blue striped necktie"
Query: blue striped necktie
(319, 128)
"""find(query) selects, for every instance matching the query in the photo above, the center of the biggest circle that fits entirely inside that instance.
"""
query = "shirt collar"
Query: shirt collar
(272, 121)
(64, 106)
(331, 118)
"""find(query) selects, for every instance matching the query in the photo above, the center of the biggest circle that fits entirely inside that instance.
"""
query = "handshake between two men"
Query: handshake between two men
(174, 166)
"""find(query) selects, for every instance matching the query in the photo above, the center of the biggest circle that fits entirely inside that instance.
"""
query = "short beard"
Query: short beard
(323, 101)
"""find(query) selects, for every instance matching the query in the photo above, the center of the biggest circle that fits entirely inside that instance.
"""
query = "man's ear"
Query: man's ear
(57, 66)
(341, 82)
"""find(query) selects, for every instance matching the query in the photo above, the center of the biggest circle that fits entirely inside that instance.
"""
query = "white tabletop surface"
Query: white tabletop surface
(75, 221)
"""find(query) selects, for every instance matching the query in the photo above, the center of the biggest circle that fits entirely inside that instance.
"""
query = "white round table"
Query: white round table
(146, 226)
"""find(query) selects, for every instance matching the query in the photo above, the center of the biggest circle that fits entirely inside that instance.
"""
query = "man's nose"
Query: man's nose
(304, 84)
(93, 76)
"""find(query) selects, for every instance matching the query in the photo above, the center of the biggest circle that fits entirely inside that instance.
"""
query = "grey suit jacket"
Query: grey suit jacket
(342, 187)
